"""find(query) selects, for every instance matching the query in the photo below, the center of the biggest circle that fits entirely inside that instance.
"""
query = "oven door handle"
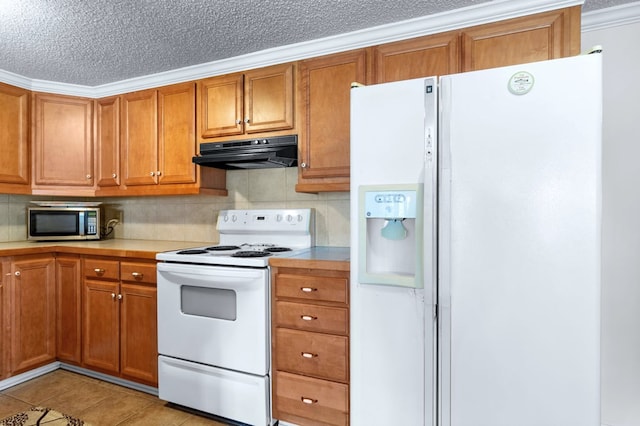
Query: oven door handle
(210, 276)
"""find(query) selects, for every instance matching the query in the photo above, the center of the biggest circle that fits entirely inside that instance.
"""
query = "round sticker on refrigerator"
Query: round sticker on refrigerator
(521, 83)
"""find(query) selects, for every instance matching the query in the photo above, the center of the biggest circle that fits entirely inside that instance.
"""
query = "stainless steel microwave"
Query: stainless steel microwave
(63, 223)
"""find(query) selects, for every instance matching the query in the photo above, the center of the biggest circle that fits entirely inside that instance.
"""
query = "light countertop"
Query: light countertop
(147, 249)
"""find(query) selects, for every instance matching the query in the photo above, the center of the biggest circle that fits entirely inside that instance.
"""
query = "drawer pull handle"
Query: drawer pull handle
(308, 400)
(308, 355)
(99, 271)
(308, 318)
(137, 275)
(308, 289)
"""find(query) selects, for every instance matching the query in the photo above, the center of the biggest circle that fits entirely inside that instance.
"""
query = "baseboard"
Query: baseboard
(31, 374)
(37, 372)
(111, 379)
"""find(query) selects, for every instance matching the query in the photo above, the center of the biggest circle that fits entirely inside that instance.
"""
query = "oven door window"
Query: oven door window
(208, 302)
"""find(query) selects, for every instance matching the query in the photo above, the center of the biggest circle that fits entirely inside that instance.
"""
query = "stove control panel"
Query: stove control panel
(266, 220)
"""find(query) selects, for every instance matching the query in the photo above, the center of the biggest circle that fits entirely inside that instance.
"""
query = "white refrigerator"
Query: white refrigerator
(475, 248)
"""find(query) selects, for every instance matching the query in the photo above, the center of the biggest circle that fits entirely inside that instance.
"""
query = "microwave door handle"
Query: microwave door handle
(81, 223)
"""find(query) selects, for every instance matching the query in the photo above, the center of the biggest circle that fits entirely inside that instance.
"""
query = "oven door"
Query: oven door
(215, 315)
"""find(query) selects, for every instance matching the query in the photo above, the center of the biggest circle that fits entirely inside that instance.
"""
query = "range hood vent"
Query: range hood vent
(278, 151)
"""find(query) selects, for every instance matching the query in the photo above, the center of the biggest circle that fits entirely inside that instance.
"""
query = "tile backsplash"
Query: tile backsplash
(193, 217)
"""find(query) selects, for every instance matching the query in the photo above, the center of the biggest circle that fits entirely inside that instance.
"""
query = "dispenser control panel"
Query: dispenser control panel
(390, 204)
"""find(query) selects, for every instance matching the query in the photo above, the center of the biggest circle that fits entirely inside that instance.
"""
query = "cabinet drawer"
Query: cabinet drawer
(319, 355)
(103, 269)
(309, 317)
(318, 400)
(309, 287)
(138, 272)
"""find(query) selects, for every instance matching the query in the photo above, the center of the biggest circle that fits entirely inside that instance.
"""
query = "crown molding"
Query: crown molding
(482, 13)
(611, 17)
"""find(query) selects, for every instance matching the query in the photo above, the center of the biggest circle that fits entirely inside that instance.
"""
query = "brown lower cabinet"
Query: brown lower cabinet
(69, 308)
(310, 344)
(119, 331)
(28, 313)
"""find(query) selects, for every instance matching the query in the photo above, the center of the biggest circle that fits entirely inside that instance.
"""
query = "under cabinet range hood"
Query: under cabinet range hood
(278, 151)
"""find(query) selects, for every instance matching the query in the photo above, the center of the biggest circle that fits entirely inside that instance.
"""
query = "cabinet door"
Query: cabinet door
(532, 38)
(177, 133)
(69, 308)
(33, 313)
(140, 138)
(324, 145)
(63, 141)
(14, 138)
(108, 141)
(139, 343)
(432, 55)
(220, 100)
(5, 317)
(100, 332)
(268, 101)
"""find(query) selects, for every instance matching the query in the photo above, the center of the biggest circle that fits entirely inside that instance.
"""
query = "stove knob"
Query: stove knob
(278, 218)
(233, 218)
(289, 218)
(300, 218)
(226, 218)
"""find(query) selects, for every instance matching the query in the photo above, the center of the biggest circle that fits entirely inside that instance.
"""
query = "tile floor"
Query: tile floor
(94, 401)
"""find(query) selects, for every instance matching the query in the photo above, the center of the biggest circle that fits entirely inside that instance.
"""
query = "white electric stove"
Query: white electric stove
(251, 237)
(214, 314)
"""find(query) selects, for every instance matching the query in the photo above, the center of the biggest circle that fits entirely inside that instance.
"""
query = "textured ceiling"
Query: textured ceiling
(94, 42)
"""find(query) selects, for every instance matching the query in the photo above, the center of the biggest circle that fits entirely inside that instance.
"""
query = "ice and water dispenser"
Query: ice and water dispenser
(390, 235)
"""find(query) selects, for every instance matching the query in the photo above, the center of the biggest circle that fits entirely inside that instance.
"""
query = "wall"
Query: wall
(621, 224)
(193, 218)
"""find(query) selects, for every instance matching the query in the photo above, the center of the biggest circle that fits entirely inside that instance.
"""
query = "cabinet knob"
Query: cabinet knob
(17, 273)
(113, 296)
(238, 121)
(308, 289)
(308, 318)
(308, 355)
(303, 165)
(119, 297)
(137, 275)
(158, 173)
(152, 173)
(308, 400)
(88, 176)
(246, 120)
(99, 271)
(114, 175)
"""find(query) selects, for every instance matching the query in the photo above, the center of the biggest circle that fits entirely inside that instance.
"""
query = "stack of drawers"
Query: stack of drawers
(310, 346)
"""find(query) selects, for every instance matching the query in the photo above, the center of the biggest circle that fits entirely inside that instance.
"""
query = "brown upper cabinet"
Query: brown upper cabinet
(437, 54)
(540, 37)
(146, 141)
(62, 144)
(14, 140)
(260, 100)
(323, 145)
(107, 125)
(158, 136)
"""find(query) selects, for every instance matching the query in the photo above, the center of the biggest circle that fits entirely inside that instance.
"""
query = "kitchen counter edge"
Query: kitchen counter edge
(139, 249)
(319, 257)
